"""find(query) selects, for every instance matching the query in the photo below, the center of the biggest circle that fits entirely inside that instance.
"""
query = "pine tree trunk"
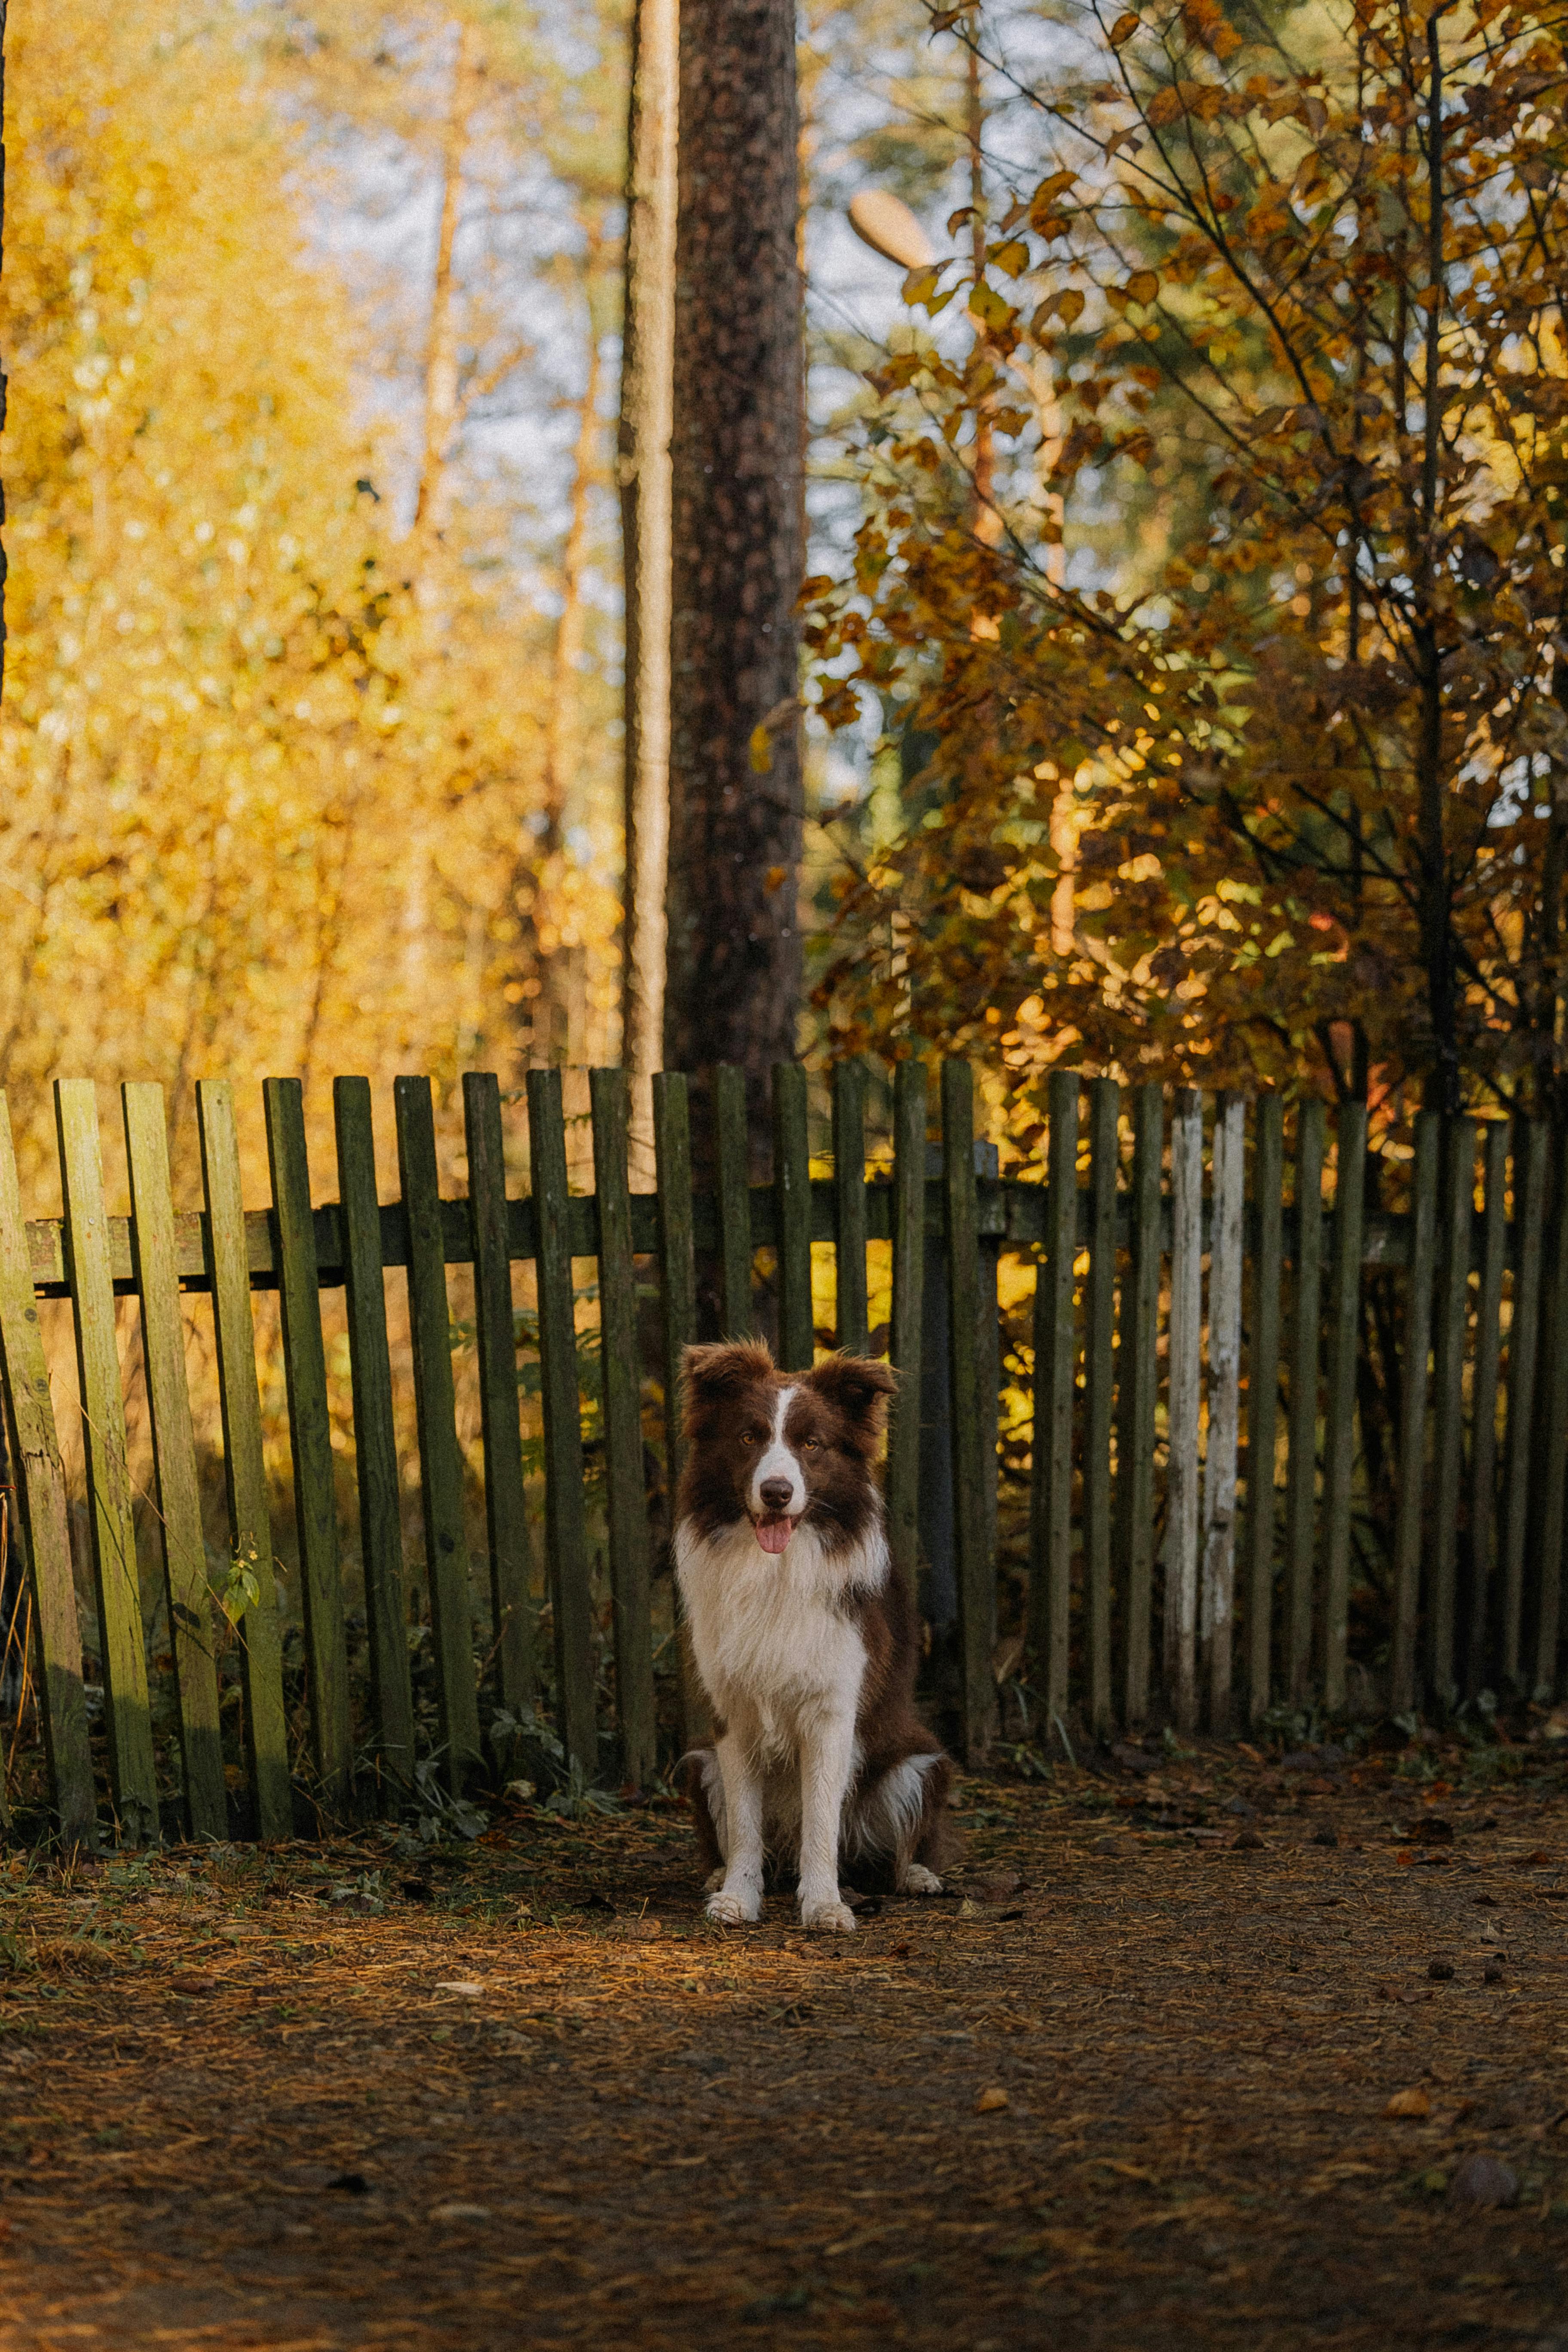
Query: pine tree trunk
(734, 950)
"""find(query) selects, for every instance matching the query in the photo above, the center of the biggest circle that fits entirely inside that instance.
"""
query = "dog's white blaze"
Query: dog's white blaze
(778, 1462)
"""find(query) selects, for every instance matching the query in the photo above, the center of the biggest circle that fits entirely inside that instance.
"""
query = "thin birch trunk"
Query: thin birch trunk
(556, 1030)
(646, 420)
(441, 403)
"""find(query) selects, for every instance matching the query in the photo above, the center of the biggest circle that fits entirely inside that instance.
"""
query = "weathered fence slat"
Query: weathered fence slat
(1185, 1385)
(732, 1150)
(1413, 1422)
(791, 1200)
(436, 1418)
(677, 1271)
(1138, 1396)
(621, 1373)
(245, 1472)
(1301, 1464)
(1551, 1436)
(1484, 1392)
(975, 1568)
(500, 1429)
(375, 1437)
(677, 1252)
(132, 1773)
(1100, 1383)
(310, 1440)
(849, 1205)
(1217, 1599)
(187, 1598)
(904, 1340)
(1050, 1491)
(440, 1456)
(565, 1529)
(1263, 1394)
(1530, 1217)
(1456, 1207)
(41, 1494)
(1339, 1439)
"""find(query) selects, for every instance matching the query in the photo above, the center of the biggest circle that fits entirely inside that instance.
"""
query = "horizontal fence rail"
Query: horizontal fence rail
(1183, 1432)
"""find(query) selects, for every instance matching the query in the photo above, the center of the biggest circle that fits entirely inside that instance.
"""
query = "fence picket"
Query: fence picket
(620, 1356)
(1552, 1434)
(1217, 1599)
(1484, 1392)
(1454, 1211)
(500, 1429)
(245, 1472)
(565, 1531)
(904, 1339)
(132, 1774)
(731, 1156)
(1339, 1441)
(678, 1269)
(1050, 1492)
(975, 1567)
(1263, 1394)
(188, 1600)
(791, 1205)
(310, 1439)
(1186, 1377)
(41, 1499)
(435, 1417)
(1302, 1463)
(1413, 1422)
(849, 1205)
(375, 1438)
(1099, 1382)
(1139, 1396)
(1524, 1324)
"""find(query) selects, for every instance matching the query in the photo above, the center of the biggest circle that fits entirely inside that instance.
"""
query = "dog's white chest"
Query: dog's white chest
(769, 1639)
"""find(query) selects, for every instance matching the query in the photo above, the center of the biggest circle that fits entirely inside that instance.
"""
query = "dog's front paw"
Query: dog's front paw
(834, 1918)
(918, 1880)
(731, 1910)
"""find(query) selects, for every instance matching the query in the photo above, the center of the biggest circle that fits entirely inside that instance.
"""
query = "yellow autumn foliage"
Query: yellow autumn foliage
(263, 794)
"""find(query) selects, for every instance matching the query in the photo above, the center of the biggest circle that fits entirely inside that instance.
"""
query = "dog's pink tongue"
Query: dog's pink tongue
(773, 1534)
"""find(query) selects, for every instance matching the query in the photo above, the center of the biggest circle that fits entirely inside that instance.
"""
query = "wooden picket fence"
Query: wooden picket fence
(1192, 1471)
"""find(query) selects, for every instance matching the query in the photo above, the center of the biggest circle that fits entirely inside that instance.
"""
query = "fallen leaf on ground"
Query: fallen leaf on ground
(1411, 2105)
(990, 2100)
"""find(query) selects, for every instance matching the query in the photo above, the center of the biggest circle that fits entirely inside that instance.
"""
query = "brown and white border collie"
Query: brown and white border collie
(805, 1635)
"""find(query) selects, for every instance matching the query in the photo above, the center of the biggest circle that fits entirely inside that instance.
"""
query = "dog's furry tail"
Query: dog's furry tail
(702, 1785)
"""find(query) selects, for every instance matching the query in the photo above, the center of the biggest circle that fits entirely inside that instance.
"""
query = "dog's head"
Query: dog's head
(780, 1448)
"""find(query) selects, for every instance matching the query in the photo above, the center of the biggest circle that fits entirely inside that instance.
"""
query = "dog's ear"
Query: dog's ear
(860, 1388)
(719, 1370)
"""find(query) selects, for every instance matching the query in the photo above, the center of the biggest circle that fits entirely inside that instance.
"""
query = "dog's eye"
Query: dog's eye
(752, 1437)
(810, 1444)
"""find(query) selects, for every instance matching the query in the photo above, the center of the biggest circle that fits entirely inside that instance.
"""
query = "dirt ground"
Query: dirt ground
(1126, 2085)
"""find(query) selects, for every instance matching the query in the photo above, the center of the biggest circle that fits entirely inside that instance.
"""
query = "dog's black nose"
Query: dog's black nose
(775, 1494)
